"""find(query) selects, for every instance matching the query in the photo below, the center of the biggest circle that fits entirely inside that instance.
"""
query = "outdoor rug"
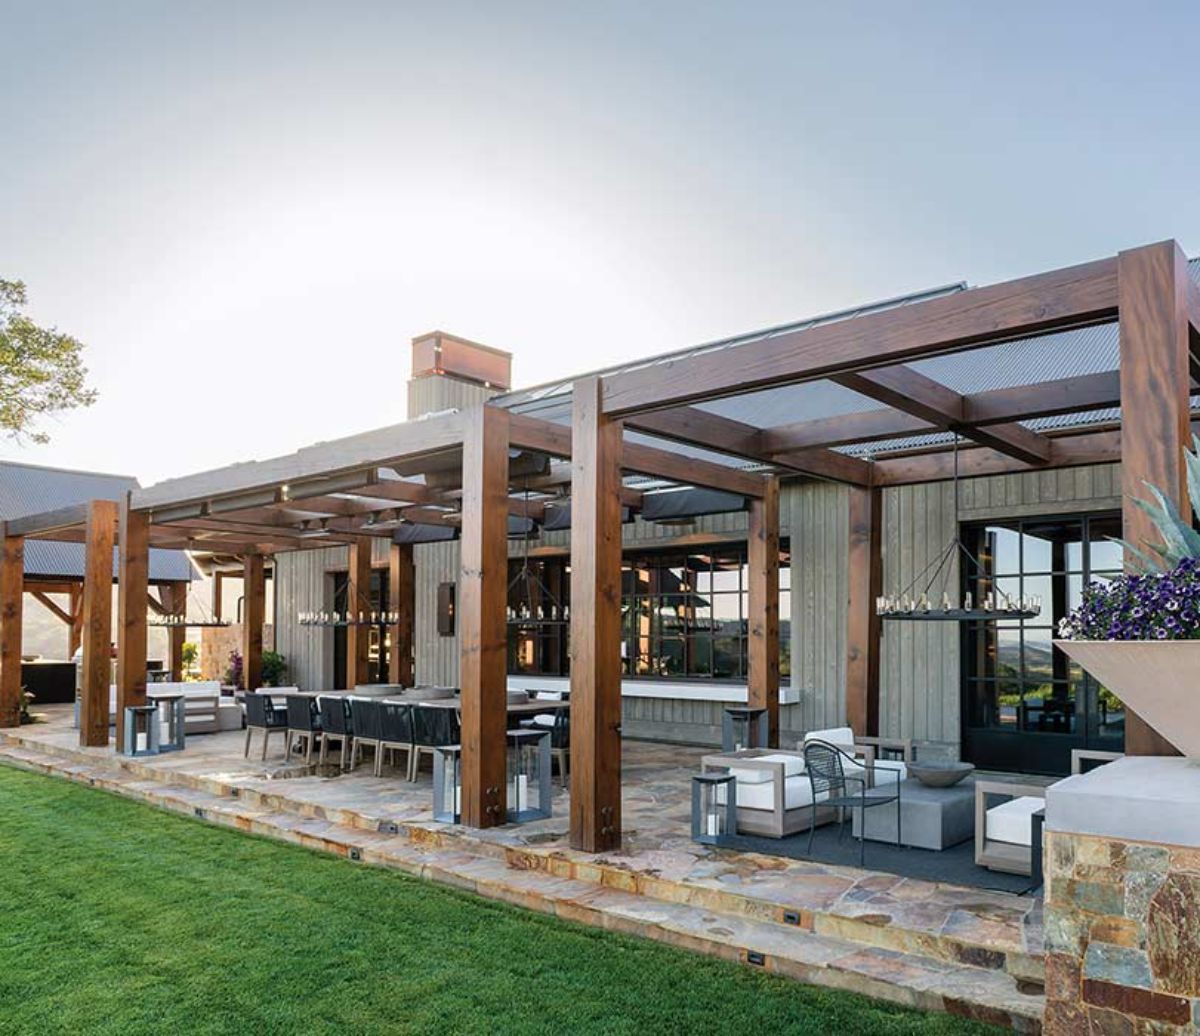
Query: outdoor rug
(954, 866)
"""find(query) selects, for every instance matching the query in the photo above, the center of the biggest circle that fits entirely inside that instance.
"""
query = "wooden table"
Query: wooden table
(521, 708)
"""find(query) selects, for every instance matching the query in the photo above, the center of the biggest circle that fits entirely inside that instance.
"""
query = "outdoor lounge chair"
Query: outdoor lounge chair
(262, 715)
(870, 752)
(826, 766)
(303, 724)
(1008, 834)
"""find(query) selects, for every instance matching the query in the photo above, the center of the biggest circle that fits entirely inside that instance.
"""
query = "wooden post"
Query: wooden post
(1155, 411)
(254, 594)
(176, 602)
(762, 647)
(865, 583)
(12, 599)
(97, 622)
(483, 630)
(595, 622)
(75, 637)
(402, 600)
(217, 595)
(358, 602)
(133, 592)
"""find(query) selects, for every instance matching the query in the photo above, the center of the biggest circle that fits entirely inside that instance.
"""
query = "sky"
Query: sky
(247, 210)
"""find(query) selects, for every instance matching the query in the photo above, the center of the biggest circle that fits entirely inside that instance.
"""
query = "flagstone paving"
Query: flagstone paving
(929, 945)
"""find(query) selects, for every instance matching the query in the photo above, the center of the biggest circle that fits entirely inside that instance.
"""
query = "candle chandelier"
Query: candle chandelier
(530, 601)
(357, 612)
(175, 620)
(934, 601)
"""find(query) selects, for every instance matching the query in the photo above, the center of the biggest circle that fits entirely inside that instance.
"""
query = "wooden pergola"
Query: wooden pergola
(471, 469)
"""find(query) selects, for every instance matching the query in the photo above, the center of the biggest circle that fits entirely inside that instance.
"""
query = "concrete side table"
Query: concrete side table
(930, 818)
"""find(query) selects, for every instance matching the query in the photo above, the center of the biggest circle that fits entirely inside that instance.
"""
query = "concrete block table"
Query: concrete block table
(930, 818)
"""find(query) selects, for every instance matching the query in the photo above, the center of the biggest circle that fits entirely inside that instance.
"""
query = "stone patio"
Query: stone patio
(931, 945)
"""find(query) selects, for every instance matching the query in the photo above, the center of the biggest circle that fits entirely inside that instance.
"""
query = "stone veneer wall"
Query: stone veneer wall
(1122, 931)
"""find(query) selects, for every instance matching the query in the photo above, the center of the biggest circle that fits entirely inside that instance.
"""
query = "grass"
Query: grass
(118, 918)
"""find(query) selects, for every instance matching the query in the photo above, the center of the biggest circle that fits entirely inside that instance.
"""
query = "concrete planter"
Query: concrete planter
(1157, 679)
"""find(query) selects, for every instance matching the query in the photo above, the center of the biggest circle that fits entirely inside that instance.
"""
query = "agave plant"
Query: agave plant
(1180, 540)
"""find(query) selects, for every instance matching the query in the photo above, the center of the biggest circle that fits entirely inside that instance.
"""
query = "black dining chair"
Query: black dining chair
(833, 787)
(433, 726)
(303, 724)
(262, 715)
(366, 715)
(560, 744)
(395, 735)
(336, 725)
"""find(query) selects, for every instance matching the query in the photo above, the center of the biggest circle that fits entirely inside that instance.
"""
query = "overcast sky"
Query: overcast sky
(247, 210)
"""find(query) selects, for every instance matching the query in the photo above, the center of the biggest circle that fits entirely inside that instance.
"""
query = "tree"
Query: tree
(41, 369)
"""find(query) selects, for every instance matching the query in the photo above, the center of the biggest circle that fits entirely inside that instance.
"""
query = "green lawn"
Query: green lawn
(118, 918)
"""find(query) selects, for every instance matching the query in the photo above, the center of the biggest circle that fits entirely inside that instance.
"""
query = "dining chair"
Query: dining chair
(262, 715)
(303, 724)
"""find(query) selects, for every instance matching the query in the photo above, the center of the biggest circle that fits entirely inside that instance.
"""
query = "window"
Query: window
(1016, 680)
(683, 616)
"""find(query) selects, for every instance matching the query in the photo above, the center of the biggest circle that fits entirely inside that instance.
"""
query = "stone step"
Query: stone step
(861, 923)
(811, 956)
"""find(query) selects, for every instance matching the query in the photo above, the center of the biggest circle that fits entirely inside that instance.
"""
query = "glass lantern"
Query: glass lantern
(528, 775)
(447, 784)
(743, 727)
(714, 808)
(172, 718)
(141, 730)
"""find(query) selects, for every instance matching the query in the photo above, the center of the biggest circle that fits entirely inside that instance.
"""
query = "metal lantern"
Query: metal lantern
(743, 727)
(447, 784)
(714, 808)
(172, 717)
(141, 730)
(528, 775)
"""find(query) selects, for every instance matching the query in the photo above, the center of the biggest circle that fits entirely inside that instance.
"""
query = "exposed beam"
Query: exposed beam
(43, 598)
(1066, 451)
(914, 393)
(1061, 396)
(175, 594)
(1029, 306)
(842, 430)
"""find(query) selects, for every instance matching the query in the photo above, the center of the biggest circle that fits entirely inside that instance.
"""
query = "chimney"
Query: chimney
(452, 373)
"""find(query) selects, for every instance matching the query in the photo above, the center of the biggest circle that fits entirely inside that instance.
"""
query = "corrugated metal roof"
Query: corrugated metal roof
(31, 489)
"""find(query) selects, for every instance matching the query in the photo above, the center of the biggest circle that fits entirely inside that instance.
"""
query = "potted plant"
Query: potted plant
(273, 668)
(1139, 635)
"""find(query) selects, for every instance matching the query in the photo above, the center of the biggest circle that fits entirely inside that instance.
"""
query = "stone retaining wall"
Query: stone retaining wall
(1122, 933)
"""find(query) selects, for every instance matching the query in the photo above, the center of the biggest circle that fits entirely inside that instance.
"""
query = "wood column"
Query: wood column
(865, 584)
(254, 596)
(12, 601)
(1155, 419)
(133, 593)
(358, 600)
(595, 622)
(402, 600)
(97, 622)
(175, 595)
(482, 625)
(762, 647)
(75, 635)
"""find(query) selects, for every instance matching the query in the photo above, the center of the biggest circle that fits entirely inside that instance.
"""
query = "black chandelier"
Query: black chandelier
(531, 603)
(928, 605)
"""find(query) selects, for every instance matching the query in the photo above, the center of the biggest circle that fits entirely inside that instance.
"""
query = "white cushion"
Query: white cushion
(890, 771)
(748, 776)
(833, 736)
(547, 695)
(797, 792)
(792, 764)
(544, 719)
(1012, 821)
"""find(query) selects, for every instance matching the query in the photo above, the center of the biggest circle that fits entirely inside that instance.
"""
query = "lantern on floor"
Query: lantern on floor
(141, 730)
(447, 784)
(743, 727)
(172, 718)
(528, 775)
(714, 808)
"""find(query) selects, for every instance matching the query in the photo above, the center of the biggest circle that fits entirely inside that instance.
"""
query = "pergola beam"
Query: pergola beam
(1074, 296)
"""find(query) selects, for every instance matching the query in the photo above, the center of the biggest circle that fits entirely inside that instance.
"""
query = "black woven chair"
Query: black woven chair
(433, 726)
(261, 714)
(336, 725)
(303, 724)
(560, 744)
(833, 787)
(366, 717)
(395, 735)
